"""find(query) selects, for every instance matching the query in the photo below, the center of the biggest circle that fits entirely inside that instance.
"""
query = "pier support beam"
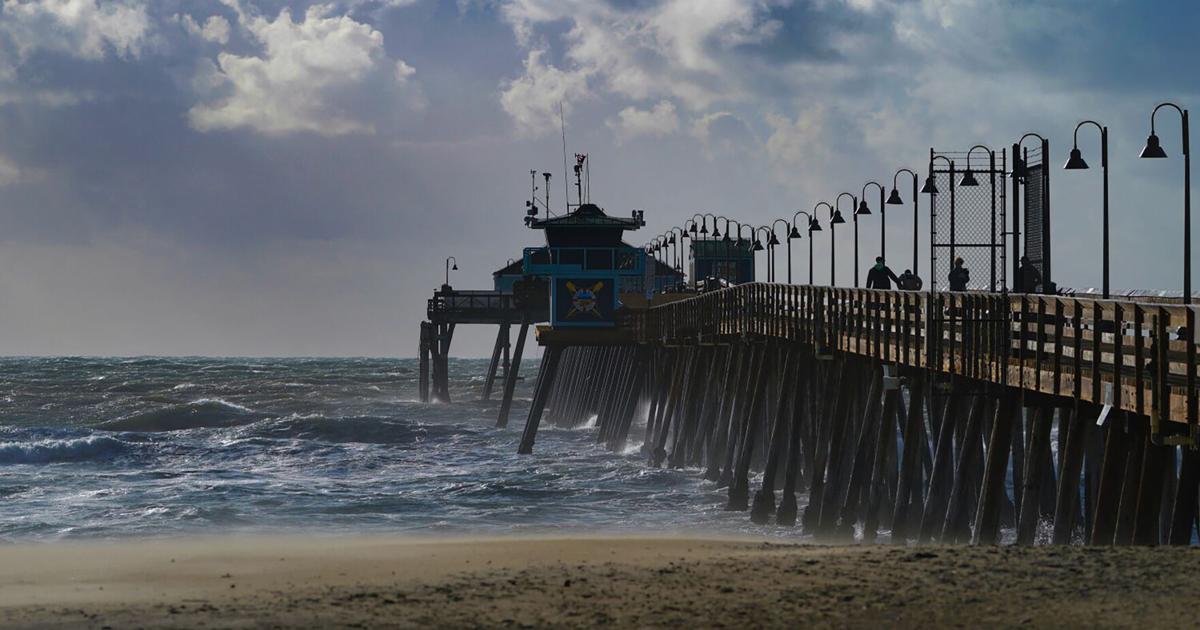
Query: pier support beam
(541, 392)
(510, 383)
(498, 352)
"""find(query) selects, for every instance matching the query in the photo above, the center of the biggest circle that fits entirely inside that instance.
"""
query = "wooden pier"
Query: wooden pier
(926, 415)
(450, 307)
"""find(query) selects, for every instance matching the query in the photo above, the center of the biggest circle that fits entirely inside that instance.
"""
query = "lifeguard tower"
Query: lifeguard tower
(586, 261)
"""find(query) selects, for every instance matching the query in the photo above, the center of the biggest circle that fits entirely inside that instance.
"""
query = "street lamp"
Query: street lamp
(759, 246)
(1076, 162)
(863, 208)
(835, 219)
(680, 250)
(773, 241)
(856, 209)
(1154, 150)
(813, 226)
(450, 259)
(895, 200)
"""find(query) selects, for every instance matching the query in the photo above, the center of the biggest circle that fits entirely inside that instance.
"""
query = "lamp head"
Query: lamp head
(726, 238)
(704, 227)
(758, 247)
(929, 188)
(455, 267)
(968, 179)
(671, 241)
(1153, 148)
(773, 241)
(1075, 162)
(693, 228)
(814, 226)
(863, 208)
(894, 198)
(794, 233)
(837, 218)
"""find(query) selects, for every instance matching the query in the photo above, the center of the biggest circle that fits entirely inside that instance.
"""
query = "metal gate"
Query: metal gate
(1032, 170)
(967, 217)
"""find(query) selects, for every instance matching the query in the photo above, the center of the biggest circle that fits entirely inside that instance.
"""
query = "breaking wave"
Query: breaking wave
(91, 448)
(203, 413)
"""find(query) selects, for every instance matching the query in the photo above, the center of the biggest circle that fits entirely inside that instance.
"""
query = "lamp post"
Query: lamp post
(854, 211)
(773, 241)
(738, 243)
(1154, 149)
(759, 246)
(895, 200)
(813, 226)
(835, 218)
(680, 250)
(865, 209)
(450, 259)
(1076, 162)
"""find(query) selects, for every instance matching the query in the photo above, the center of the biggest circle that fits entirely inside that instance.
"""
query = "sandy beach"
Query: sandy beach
(577, 582)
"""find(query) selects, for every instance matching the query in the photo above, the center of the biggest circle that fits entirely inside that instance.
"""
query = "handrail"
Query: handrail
(1136, 356)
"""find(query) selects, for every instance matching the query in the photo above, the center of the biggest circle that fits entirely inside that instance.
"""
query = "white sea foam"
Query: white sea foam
(52, 451)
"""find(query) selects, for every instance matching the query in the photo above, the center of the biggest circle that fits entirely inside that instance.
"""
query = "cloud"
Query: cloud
(723, 134)
(215, 28)
(659, 120)
(312, 76)
(678, 49)
(86, 29)
(532, 100)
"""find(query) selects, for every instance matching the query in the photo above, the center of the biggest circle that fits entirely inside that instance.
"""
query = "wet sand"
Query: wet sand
(576, 582)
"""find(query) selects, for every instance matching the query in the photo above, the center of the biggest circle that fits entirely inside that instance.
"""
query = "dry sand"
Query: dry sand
(625, 582)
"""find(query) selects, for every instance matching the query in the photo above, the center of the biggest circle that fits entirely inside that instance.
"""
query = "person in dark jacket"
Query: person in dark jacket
(909, 281)
(1028, 277)
(880, 276)
(959, 276)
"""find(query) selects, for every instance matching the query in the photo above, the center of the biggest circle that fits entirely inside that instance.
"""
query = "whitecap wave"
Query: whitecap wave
(202, 413)
(95, 447)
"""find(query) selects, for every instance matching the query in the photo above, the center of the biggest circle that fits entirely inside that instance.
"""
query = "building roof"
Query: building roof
(514, 268)
(717, 248)
(588, 215)
(662, 269)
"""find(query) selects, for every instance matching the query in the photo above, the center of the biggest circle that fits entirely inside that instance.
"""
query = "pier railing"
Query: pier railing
(1134, 356)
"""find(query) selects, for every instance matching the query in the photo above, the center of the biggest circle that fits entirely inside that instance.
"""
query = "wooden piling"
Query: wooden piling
(545, 381)
(992, 494)
(1038, 446)
(497, 352)
(510, 383)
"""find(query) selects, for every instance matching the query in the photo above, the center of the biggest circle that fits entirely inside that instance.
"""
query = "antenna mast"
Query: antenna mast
(580, 159)
(562, 123)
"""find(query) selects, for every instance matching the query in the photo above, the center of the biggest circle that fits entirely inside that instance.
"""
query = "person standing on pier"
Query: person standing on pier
(1028, 277)
(880, 276)
(959, 276)
(909, 281)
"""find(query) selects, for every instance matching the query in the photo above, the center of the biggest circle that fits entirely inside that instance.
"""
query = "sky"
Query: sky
(257, 177)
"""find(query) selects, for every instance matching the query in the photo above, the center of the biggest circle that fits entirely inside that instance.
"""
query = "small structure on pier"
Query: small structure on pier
(587, 264)
(728, 259)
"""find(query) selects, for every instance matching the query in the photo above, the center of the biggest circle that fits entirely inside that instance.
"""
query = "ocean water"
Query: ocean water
(154, 447)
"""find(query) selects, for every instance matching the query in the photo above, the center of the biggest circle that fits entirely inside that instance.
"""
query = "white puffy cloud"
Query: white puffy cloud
(532, 100)
(87, 29)
(659, 120)
(215, 28)
(723, 134)
(312, 76)
(675, 49)
(798, 149)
